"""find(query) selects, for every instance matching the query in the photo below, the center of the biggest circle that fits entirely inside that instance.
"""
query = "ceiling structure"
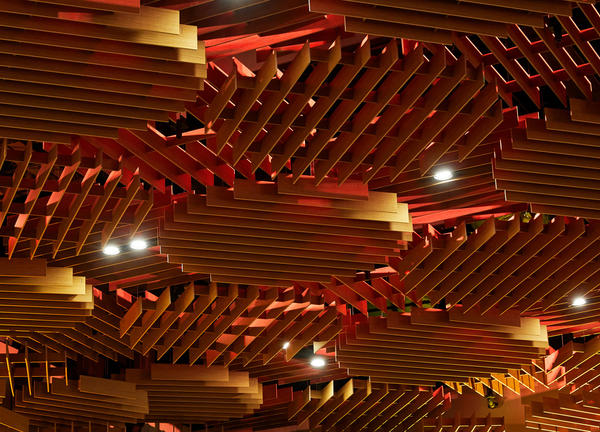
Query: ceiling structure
(293, 215)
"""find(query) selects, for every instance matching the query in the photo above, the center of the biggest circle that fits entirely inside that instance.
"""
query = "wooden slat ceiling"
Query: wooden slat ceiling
(575, 366)
(132, 6)
(234, 28)
(29, 365)
(357, 405)
(204, 324)
(562, 318)
(476, 424)
(431, 346)
(301, 237)
(65, 204)
(80, 320)
(513, 382)
(54, 200)
(435, 20)
(90, 400)
(67, 73)
(180, 161)
(288, 371)
(217, 325)
(368, 114)
(504, 265)
(561, 57)
(471, 191)
(57, 311)
(281, 159)
(552, 162)
(567, 413)
(271, 120)
(12, 421)
(34, 295)
(572, 370)
(190, 394)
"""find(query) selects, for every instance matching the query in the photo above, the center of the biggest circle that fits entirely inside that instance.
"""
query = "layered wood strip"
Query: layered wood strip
(564, 318)
(97, 337)
(345, 114)
(429, 346)
(269, 198)
(216, 20)
(476, 424)
(504, 267)
(62, 200)
(130, 269)
(356, 405)
(560, 56)
(563, 411)
(132, 6)
(93, 336)
(212, 324)
(257, 234)
(28, 365)
(55, 314)
(67, 72)
(560, 390)
(244, 17)
(471, 193)
(552, 163)
(89, 403)
(222, 324)
(163, 160)
(100, 335)
(190, 394)
(246, 26)
(575, 367)
(33, 297)
(530, 378)
(11, 421)
(286, 371)
(434, 20)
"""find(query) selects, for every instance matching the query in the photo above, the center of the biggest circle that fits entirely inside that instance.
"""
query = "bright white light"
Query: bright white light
(317, 362)
(286, 345)
(443, 174)
(138, 244)
(579, 301)
(111, 250)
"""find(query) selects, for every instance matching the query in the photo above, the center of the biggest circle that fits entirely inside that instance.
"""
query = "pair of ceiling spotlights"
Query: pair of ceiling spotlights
(137, 244)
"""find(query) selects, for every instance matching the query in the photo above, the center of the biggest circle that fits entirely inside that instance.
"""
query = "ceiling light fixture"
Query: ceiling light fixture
(286, 345)
(317, 362)
(111, 250)
(443, 174)
(579, 301)
(138, 244)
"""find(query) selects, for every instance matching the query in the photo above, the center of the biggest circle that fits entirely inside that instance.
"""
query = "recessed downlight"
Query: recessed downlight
(111, 250)
(317, 362)
(443, 174)
(579, 301)
(138, 244)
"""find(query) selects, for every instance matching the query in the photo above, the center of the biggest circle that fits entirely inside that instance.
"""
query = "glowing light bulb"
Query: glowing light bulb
(443, 174)
(111, 250)
(138, 244)
(579, 301)
(317, 362)
(286, 345)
